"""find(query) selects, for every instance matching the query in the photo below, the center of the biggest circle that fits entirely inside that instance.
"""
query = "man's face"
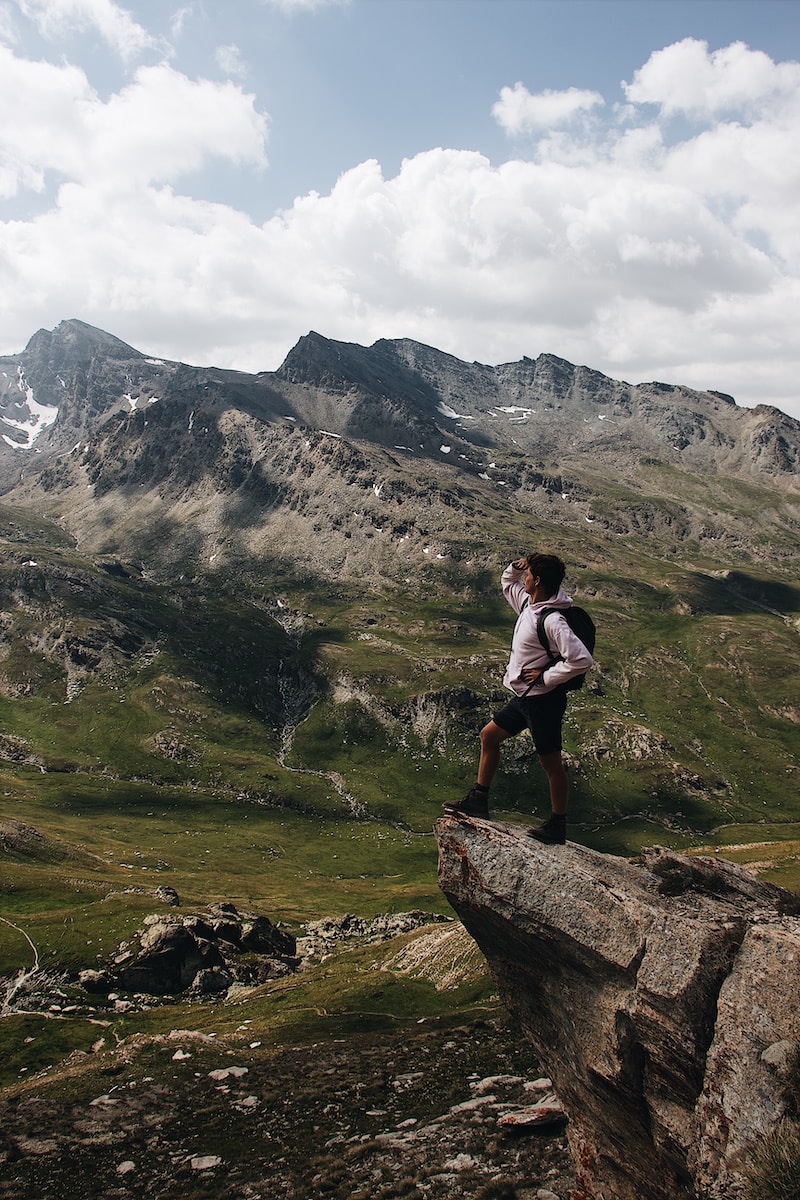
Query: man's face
(535, 588)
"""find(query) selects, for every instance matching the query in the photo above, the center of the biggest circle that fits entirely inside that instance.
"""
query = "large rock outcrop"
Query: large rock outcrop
(201, 953)
(662, 996)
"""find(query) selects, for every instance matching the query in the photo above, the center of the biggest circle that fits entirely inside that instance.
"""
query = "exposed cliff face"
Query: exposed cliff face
(377, 448)
(662, 998)
(397, 394)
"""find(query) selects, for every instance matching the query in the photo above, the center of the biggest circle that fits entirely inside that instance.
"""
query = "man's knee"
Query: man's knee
(492, 735)
(552, 763)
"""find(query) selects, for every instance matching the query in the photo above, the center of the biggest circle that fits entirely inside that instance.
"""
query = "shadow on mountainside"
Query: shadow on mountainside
(736, 591)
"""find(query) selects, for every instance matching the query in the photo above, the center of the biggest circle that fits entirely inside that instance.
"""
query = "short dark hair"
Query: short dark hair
(549, 569)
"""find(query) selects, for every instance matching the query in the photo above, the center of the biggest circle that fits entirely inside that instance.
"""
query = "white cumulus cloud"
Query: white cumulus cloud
(157, 127)
(617, 245)
(113, 23)
(519, 111)
(686, 78)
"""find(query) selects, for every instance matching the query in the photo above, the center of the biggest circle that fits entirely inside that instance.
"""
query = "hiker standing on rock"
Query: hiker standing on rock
(538, 675)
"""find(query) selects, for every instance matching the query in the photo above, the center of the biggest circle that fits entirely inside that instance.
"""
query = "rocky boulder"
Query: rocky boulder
(261, 937)
(202, 953)
(170, 958)
(662, 996)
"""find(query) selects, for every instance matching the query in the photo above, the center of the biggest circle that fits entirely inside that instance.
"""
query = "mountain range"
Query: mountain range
(375, 451)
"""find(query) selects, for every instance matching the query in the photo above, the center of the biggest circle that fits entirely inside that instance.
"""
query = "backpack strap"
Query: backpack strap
(541, 633)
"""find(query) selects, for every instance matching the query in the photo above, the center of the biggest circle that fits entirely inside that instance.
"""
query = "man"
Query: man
(539, 700)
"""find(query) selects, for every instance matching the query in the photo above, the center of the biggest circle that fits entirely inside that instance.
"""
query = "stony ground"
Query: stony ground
(369, 1116)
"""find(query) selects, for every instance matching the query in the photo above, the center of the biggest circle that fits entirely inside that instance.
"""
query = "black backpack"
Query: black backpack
(581, 625)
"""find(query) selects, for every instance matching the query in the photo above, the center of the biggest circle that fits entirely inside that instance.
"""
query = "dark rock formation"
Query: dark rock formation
(170, 959)
(655, 993)
(202, 953)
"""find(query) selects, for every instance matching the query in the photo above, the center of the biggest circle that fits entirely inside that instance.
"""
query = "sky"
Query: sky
(616, 182)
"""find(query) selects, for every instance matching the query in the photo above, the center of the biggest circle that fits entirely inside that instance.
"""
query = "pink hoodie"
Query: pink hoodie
(527, 650)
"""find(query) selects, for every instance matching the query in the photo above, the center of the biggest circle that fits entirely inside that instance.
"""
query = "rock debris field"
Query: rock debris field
(438, 1113)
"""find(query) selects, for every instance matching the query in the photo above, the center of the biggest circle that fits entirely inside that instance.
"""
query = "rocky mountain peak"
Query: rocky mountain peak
(73, 342)
(345, 367)
(62, 387)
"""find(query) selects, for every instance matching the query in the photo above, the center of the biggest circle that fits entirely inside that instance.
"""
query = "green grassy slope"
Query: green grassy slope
(286, 741)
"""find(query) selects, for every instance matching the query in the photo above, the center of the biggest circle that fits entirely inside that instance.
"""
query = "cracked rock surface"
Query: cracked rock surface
(655, 994)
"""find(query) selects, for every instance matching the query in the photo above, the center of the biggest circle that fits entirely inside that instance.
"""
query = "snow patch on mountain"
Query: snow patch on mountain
(451, 413)
(39, 416)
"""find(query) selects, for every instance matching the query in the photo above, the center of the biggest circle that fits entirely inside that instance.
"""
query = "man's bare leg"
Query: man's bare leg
(557, 779)
(492, 737)
(553, 832)
(476, 801)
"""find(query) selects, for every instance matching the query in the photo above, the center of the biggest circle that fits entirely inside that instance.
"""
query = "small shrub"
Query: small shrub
(498, 1189)
(774, 1170)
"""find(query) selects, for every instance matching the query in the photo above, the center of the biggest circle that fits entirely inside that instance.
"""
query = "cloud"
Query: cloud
(155, 129)
(114, 24)
(686, 79)
(8, 27)
(614, 247)
(518, 111)
(179, 19)
(293, 6)
(229, 60)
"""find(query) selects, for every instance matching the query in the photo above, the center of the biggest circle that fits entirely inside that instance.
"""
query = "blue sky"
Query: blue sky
(614, 181)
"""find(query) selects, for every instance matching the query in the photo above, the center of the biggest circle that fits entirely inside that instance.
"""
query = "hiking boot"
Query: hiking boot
(552, 833)
(474, 804)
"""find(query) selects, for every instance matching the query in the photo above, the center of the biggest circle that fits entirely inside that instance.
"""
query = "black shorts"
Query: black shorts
(543, 715)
